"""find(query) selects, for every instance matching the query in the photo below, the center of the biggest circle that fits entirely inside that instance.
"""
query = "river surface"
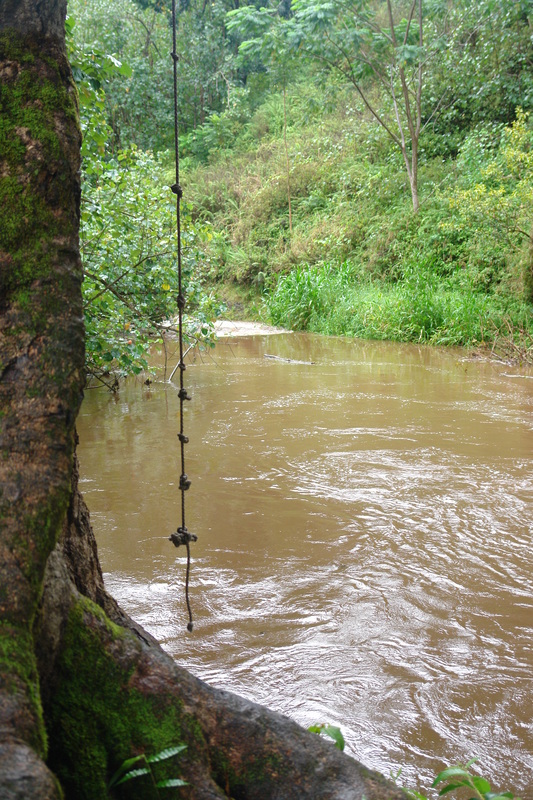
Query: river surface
(365, 540)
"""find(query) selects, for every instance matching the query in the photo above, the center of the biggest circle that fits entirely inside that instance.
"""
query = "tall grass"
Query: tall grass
(335, 301)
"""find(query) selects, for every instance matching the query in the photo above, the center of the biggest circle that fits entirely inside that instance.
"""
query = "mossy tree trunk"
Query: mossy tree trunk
(82, 687)
(41, 357)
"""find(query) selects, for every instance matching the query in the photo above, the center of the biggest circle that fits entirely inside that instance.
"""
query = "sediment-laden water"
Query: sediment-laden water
(364, 514)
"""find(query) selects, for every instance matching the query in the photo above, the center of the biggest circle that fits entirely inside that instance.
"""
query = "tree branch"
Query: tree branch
(409, 20)
(355, 83)
(110, 284)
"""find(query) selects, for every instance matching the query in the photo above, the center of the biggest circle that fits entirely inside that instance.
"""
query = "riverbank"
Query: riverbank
(355, 260)
(514, 347)
(332, 302)
(225, 328)
(419, 310)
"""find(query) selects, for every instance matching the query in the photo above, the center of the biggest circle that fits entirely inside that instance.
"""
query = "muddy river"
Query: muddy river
(364, 514)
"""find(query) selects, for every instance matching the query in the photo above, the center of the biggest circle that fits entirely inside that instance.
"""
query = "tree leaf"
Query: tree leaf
(450, 772)
(451, 787)
(482, 785)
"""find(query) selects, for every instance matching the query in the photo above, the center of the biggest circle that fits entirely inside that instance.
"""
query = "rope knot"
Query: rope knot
(176, 188)
(182, 536)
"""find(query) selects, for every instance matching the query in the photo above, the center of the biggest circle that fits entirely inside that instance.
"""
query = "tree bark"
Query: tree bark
(287, 165)
(41, 357)
(82, 687)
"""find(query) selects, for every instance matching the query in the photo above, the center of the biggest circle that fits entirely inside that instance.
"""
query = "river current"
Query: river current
(364, 514)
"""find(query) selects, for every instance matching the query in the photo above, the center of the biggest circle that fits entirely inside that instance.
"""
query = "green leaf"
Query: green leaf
(482, 785)
(451, 787)
(329, 730)
(315, 729)
(168, 753)
(135, 773)
(170, 783)
(450, 772)
(124, 767)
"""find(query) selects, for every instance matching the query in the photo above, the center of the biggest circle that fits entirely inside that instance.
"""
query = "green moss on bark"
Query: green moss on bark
(19, 679)
(41, 347)
(36, 101)
(97, 717)
(44, 529)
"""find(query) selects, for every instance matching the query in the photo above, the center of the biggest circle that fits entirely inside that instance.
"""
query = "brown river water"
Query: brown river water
(365, 540)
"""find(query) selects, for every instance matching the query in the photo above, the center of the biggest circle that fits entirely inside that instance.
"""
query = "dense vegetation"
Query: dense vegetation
(353, 167)
(360, 167)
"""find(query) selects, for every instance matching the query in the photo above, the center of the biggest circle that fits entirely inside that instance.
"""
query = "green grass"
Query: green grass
(332, 301)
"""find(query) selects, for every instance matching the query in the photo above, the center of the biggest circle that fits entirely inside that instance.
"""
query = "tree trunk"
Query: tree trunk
(41, 357)
(528, 272)
(82, 687)
(413, 176)
(287, 165)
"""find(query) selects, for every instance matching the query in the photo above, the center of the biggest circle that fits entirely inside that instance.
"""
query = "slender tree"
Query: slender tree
(370, 47)
(268, 38)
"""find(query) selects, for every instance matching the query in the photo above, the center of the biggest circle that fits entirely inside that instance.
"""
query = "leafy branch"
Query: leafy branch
(460, 777)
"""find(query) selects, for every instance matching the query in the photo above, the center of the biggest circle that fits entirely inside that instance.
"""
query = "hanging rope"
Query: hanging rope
(182, 535)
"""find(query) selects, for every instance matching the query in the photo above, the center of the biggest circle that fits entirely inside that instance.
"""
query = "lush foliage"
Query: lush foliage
(128, 245)
(139, 104)
(292, 177)
(482, 74)
(460, 778)
(358, 262)
(138, 33)
(128, 231)
(375, 45)
(417, 309)
(494, 195)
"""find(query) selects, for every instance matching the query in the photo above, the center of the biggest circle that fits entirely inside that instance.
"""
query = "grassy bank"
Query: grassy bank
(420, 309)
(357, 261)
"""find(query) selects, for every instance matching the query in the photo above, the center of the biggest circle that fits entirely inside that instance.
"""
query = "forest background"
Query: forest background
(359, 167)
